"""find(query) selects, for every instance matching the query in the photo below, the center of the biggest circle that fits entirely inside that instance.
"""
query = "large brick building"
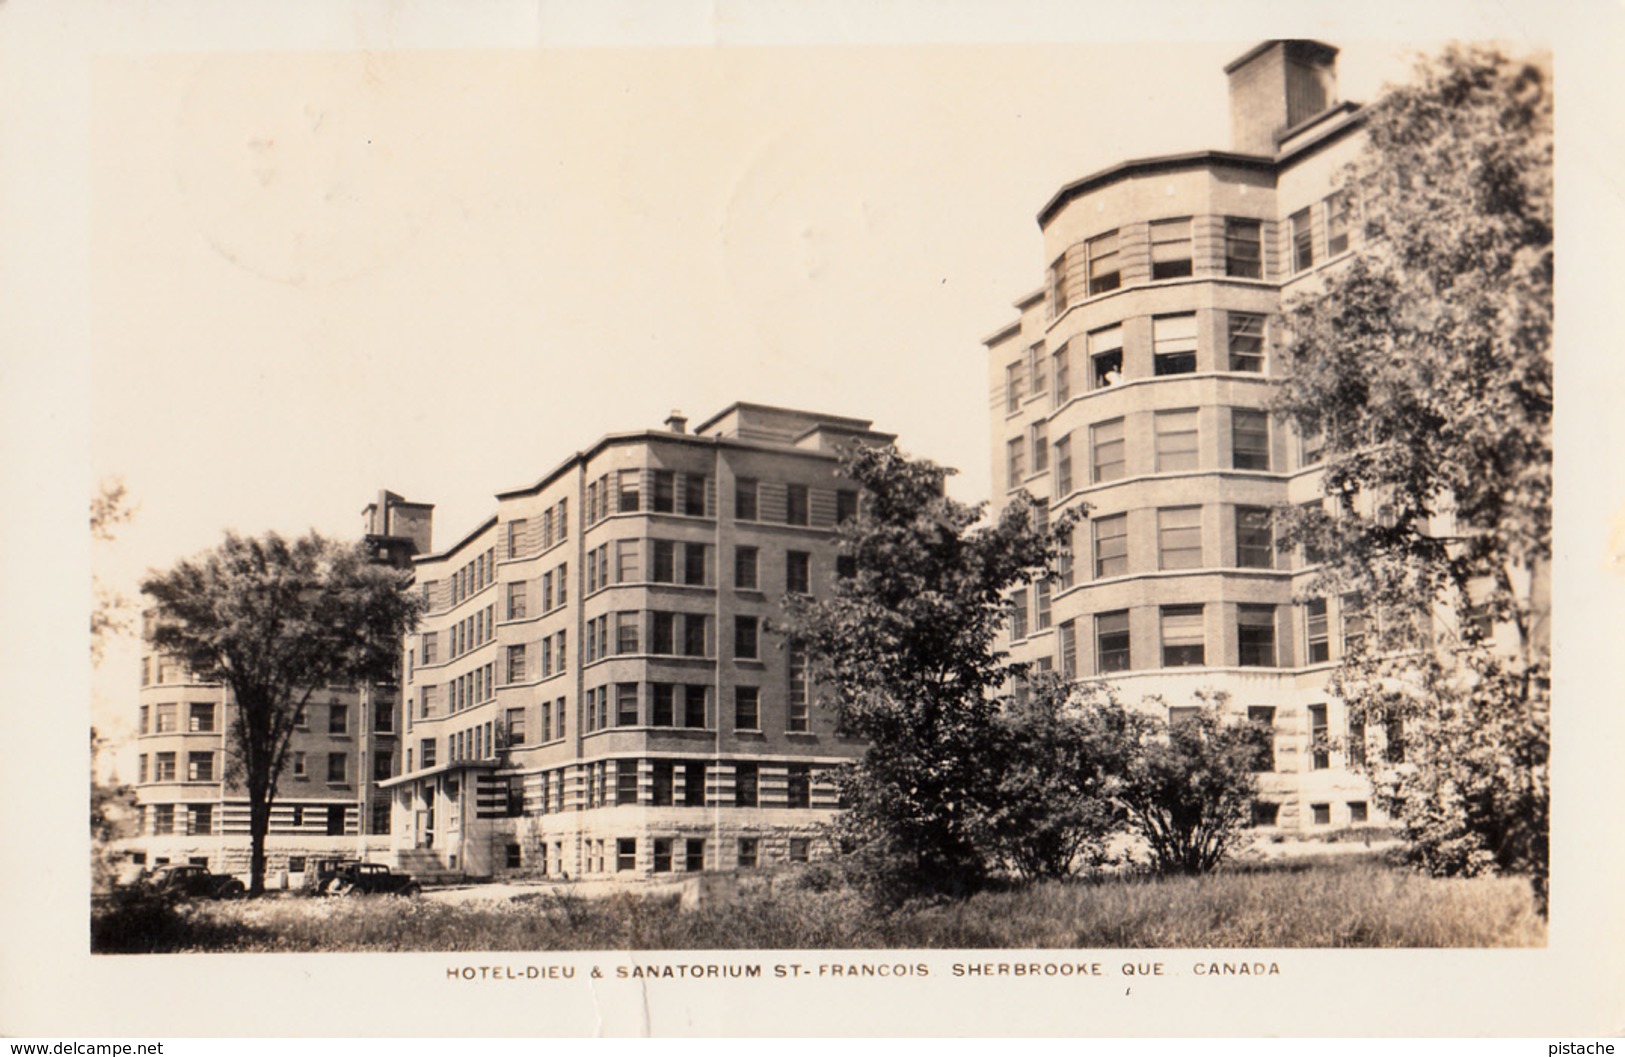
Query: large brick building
(1136, 381)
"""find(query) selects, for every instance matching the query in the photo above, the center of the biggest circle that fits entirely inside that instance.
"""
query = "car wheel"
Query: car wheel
(232, 890)
(413, 889)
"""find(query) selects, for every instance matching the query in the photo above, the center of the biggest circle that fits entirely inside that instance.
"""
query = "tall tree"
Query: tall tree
(1426, 365)
(904, 650)
(110, 610)
(274, 621)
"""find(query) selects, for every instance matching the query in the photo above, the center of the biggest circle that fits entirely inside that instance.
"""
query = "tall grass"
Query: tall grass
(1341, 903)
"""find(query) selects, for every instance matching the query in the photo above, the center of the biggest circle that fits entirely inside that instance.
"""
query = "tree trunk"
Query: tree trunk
(259, 823)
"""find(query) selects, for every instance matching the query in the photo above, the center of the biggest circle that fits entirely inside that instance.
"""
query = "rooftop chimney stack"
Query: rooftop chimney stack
(1276, 86)
(677, 422)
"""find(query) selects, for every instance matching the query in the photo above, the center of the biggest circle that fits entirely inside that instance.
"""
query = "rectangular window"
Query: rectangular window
(694, 564)
(1319, 637)
(747, 853)
(1103, 267)
(797, 572)
(745, 639)
(1266, 813)
(1337, 223)
(1243, 248)
(1069, 650)
(1063, 467)
(1041, 607)
(1249, 439)
(1061, 368)
(1358, 812)
(516, 664)
(1037, 369)
(1303, 241)
(163, 819)
(1058, 299)
(163, 767)
(1394, 729)
(1106, 357)
(694, 494)
(747, 784)
(1173, 344)
(662, 705)
(1320, 757)
(1183, 640)
(694, 855)
(1106, 438)
(1179, 538)
(693, 784)
(165, 720)
(1171, 248)
(516, 536)
(564, 582)
(798, 699)
(664, 500)
(747, 708)
(745, 559)
(745, 499)
(1322, 814)
(514, 726)
(626, 782)
(200, 820)
(1177, 440)
(200, 718)
(1111, 545)
(1015, 463)
(800, 849)
(1111, 642)
(798, 788)
(694, 707)
(142, 725)
(516, 601)
(1012, 388)
(626, 704)
(1040, 443)
(200, 767)
(846, 505)
(141, 768)
(338, 767)
(1246, 342)
(662, 855)
(693, 635)
(626, 853)
(1018, 614)
(626, 632)
(662, 633)
(1356, 743)
(1255, 636)
(1255, 538)
(796, 508)
(626, 500)
(1262, 717)
(663, 561)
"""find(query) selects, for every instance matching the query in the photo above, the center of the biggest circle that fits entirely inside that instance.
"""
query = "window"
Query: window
(745, 638)
(745, 499)
(165, 720)
(1358, 812)
(1111, 642)
(798, 720)
(1063, 467)
(1018, 614)
(1106, 438)
(1356, 743)
(1015, 463)
(800, 849)
(1037, 369)
(747, 853)
(1246, 342)
(1179, 538)
(516, 663)
(1249, 439)
(1319, 756)
(338, 767)
(626, 632)
(626, 704)
(693, 784)
(694, 564)
(1312, 513)
(797, 572)
(795, 504)
(1255, 538)
(1178, 714)
(200, 767)
(662, 632)
(1061, 368)
(1243, 248)
(1262, 717)
(1041, 608)
(143, 724)
(1394, 730)
(1170, 248)
(693, 635)
(516, 601)
(1173, 344)
(335, 821)
(1319, 637)
(563, 579)
(662, 709)
(1337, 223)
(1182, 637)
(694, 494)
(626, 499)
(1069, 650)
(747, 784)
(1322, 814)
(1255, 636)
(1176, 437)
(663, 561)
(338, 718)
(163, 767)
(1040, 442)
(1311, 447)
(662, 855)
(201, 717)
(163, 819)
(1103, 268)
(1266, 813)
(299, 764)
(1012, 388)
(694, 707)
(664, 500)
(626, 853)
(141, 768)
(747, 708)
(1303, 242)
(1106, 357)
(798, 787)
(1057, 286)
(694, 855)
(846, 505)
(1111, 545)
(626, 781)
(516, 536)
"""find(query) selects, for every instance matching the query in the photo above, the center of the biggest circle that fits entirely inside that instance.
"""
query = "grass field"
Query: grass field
(1350, 901)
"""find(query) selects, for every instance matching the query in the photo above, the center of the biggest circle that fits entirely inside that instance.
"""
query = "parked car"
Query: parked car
(195, 882)
(369, 878)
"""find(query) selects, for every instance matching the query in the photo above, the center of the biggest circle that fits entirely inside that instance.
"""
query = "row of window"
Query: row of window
(667, 855)
(553, 528)
(688, 704)
(473, 577)
(1176, 448)
(199, 819)
(672, 783)
(1098, 265)
(160, 669)
(199, 767)
(1179, 542)
(200, 718)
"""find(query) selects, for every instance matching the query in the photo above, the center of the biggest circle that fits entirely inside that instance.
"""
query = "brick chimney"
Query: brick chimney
(677, 422)
(1275, 86)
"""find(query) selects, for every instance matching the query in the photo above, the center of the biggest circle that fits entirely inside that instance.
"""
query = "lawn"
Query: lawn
(1349, 901)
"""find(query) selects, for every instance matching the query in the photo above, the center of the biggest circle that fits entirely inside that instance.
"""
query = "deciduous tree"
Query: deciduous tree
(274, 621)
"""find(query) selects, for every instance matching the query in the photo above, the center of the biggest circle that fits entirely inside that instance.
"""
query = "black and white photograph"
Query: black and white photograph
(656, 519)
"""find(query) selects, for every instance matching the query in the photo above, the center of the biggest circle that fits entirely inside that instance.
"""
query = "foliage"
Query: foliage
(904, 649)
(1061, 755)
(274, 621)
(1190, 786)
(112, 812)
(110, 610)
(1426, 363)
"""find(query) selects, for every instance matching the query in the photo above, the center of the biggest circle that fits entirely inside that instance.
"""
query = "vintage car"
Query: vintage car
(196, 882)
(369, 878)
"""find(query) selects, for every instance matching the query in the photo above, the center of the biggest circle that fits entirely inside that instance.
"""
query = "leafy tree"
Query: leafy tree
(904, 650)
(1190, 786)
(274, 621)
(1062, 755)
(110, 610)
(112, 810)
(1426, 365)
